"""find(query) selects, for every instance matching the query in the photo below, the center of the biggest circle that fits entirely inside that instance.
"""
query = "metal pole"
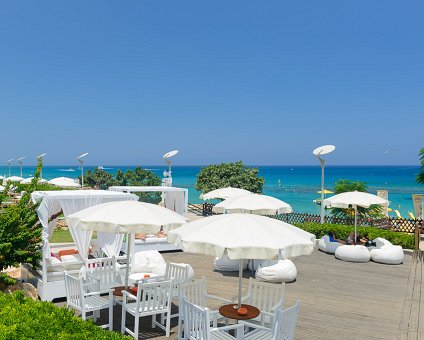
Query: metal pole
(82, 174)
(240, 281)
(356, 218)
(322, 162)
(9, 169)
(20, 163)
(127, 270)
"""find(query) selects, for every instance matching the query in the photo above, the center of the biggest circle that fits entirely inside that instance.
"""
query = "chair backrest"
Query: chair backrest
(196, 321)
(105, 270)
(177, 272)
(153, 297)
(74, 290)
(264, 295)
(195, 292)
(285, 323)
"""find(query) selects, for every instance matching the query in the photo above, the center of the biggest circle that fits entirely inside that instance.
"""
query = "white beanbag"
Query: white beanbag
(379, 243)
(326, 246)
(355, 253)
(148, 261)
(388, 254)
(224, 264)
(277, 271)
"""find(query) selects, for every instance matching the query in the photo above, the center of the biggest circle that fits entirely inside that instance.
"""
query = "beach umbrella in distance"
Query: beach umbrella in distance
(29, 180)
(243, 236)
(125, 217)
(64, 182)
(13, 179)
(354, 199)
(224, 193)
(253, 204)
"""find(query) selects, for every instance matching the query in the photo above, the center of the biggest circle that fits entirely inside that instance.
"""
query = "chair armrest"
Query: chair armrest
(105, 291)
(126, 294)
(214, 297)
(252, 325)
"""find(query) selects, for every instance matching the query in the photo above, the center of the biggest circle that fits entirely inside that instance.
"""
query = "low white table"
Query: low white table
(139, 276)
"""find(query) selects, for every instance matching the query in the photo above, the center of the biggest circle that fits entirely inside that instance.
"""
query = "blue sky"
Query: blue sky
(261, 81)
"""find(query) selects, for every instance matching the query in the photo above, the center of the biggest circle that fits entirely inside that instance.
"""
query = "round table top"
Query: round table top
(230, 312)
(139, 276)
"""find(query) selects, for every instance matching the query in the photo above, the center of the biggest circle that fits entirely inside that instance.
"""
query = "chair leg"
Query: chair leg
(136, 324)
(83, 315)
(168, 323)
(111, 315)
(124, 314)
(154, 321)
(180, 324)
(95, 313)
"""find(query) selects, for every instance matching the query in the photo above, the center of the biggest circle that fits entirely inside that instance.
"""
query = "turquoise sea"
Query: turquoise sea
(296, 185)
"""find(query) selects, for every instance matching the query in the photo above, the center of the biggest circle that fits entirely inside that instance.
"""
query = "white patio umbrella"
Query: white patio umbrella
(64, 182)
(243, 236)
(13, 179)
(354, 199)
(125, 217)
(253, 204)
(29, 180)
(224, 193)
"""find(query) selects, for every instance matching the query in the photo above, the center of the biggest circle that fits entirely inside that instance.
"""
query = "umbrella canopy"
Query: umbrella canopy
(243, 236)
(354, 199)
(224, 193)
(254, 204)
(64, 182)
(13, 179)
(126, 217)
(325, 192)
(29, 180)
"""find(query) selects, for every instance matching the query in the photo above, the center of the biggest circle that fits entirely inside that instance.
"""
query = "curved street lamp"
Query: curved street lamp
(318, 152)
(9, 162)
(20, 163)
(40, 158)
(79, 158)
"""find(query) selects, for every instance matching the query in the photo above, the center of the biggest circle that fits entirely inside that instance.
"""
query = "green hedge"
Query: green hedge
(407, 241)
(23, 318)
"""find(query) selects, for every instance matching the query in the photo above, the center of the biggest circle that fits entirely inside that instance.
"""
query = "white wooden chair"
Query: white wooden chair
(284, 327)
(265, 296)
(196, 293)
(104, 271)
(79, 299)
(151, 299)
(197, 325)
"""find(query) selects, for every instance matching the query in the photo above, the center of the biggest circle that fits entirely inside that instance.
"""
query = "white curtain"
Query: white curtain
(81, 237)
(110, 243)
(175, 200)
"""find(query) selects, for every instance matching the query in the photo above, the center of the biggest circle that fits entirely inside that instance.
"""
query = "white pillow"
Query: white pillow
(74, 258)
(147, 261)
(58, 266)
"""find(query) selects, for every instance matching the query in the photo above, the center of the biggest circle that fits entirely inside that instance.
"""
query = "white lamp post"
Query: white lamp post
(168, 174)
(40, 158)
(20, 163)
(320, 151)
(9, 162)
(79, 158)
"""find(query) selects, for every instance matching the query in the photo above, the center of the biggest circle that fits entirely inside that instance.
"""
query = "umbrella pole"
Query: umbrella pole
(127, 270)
(356, 218)
(240, 281)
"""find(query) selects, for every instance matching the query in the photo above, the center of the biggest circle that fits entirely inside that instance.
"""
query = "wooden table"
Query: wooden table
(117, 291)
(230, 312)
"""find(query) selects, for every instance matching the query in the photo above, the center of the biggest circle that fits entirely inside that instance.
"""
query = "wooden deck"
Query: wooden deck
(340, 300)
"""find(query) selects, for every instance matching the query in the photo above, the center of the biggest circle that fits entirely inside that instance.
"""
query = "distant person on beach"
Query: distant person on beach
(332, 237)
(359, 239)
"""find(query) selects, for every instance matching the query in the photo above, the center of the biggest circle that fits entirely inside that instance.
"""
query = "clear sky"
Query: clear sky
(260, 81)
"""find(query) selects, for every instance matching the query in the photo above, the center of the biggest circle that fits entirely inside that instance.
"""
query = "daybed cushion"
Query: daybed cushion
(388, 254)
(148, 261)
(75, 260)
(354, 253)
(224, 264)
(277, 271)
(326, 246)
(55, 265)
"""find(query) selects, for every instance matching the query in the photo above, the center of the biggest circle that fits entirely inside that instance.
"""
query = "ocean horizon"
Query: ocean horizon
(294, 184)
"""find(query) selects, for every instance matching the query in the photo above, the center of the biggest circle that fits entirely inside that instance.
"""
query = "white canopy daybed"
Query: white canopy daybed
(173, 198)
(50, 278)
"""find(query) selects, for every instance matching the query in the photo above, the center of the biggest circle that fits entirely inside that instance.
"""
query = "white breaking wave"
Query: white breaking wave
(66, 170)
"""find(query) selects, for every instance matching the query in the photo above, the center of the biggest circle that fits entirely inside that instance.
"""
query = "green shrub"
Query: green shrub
(23, 318)
(342, 231)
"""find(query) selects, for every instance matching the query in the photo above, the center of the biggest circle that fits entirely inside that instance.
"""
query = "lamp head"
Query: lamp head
(9, 161)
(41, 156)
(323, 150)
(80, 157)
(170, 154)
(20, 159)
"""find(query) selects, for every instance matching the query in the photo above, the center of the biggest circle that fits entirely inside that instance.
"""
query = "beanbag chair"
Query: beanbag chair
(326, 246)
(224, 264)
(389, 254)
(354, 253)
(277, 271)
(148, 261)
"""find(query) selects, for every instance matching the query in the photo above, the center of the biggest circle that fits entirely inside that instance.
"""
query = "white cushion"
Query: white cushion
(277, 271)
(74, 258)
(148, 261)
(224, 264)
(354, 253)
(58, 266)
(326, 246)
(388, 254)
